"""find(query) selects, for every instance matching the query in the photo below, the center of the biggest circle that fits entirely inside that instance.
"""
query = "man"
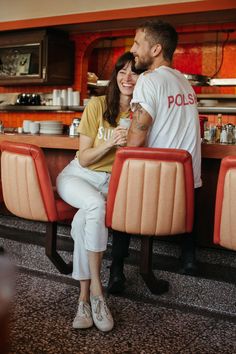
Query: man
(165, 115)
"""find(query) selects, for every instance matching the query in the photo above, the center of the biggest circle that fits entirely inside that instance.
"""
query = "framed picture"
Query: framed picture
(23, 63)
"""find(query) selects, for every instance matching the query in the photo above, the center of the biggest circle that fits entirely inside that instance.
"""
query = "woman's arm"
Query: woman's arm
(89, 154)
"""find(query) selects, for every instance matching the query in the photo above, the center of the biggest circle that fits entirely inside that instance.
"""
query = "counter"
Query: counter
(209, 150)
(217, 151)
(44, 141)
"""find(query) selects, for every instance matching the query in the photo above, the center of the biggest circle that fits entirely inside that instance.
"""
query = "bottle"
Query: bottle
(72, 129)
(76, 122)
(218, 128)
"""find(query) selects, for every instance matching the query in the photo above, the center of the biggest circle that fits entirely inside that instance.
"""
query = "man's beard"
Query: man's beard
(143, 64)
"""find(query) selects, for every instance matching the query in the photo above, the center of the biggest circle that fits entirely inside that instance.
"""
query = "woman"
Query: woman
(84, 185)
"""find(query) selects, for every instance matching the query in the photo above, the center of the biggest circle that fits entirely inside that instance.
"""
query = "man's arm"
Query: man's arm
(140, 126)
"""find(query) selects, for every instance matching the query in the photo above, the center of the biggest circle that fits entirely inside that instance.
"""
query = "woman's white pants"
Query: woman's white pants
(86, 190)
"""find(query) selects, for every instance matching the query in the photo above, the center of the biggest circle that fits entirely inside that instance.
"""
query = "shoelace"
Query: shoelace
(82, 310)
(97, 308)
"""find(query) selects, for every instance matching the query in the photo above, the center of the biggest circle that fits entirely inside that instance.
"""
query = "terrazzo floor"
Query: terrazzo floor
(197, 315)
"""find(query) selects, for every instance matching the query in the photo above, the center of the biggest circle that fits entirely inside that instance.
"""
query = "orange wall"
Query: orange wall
(191, 58)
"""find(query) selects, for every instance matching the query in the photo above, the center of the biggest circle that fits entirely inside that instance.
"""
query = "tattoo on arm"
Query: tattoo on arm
(139, 118)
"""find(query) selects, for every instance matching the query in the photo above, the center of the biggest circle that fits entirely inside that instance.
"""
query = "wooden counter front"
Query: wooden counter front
(217, 151)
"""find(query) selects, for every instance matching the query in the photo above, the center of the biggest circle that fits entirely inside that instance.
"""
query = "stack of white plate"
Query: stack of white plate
(51, 127)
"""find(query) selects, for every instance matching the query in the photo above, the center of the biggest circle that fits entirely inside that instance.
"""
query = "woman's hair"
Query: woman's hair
(113, 91)
(163, 33)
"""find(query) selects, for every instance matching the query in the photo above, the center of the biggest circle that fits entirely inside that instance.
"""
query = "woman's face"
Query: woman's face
(126, 80)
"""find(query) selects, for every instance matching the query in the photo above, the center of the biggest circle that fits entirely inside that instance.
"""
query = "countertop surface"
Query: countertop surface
(209, 150)
(44, 140)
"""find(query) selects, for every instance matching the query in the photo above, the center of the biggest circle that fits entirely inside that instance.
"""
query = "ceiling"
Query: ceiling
(190, 19)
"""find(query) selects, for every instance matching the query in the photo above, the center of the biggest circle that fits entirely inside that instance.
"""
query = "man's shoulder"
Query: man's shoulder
(147, 72)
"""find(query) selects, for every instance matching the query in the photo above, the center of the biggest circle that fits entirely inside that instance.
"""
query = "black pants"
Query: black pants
(121, 240)
(120, 245)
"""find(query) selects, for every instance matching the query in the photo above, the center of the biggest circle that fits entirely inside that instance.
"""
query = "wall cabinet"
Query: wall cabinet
(42, 56)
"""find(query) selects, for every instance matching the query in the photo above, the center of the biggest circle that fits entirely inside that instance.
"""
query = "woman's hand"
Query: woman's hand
(119, 137)
(89, 154)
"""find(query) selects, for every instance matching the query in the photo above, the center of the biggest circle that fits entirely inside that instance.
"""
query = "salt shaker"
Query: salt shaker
(223, 136)
(230, 136)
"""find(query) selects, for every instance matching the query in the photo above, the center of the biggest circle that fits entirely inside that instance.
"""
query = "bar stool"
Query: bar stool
(151, 193)
(28, 193)
(225, 206)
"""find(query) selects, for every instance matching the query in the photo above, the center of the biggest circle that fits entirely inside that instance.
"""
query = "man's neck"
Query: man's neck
(159, 62)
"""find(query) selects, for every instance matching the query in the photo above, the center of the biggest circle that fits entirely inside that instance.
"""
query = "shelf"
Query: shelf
(221, 96)
(68, 109)
(16, 108)
(217, 109)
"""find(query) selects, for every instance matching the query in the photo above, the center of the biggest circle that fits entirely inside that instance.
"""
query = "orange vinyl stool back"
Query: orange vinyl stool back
(28, 193)
(151, 193)
(225, 206)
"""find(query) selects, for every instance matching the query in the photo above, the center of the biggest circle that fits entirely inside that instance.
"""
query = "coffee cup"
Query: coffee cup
(125, 122)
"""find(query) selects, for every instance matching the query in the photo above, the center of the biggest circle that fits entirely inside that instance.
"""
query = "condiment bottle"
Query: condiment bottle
(218, 128)
(72, 129)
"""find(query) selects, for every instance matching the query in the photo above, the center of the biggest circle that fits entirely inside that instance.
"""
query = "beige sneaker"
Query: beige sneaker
(102, 316)
(83, 318)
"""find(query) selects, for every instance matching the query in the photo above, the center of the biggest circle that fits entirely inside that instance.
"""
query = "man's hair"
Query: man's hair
(163, 33)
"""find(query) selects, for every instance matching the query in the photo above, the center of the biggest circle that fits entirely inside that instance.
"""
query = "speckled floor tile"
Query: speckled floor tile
(41, 291)
(219, 337)
(197, 315)
(31, 256)
(198, 293)
(139, 327)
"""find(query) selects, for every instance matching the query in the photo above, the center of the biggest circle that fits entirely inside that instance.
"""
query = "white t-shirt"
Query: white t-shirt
(171, 102)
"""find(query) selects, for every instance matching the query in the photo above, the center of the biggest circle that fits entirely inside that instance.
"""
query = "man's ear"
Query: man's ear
(157, 48)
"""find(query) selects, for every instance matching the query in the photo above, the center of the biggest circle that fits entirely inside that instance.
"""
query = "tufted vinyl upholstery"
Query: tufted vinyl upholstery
(27, 188)
(151, 192)
(20, 180)
(28, 193)
(225, 207)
